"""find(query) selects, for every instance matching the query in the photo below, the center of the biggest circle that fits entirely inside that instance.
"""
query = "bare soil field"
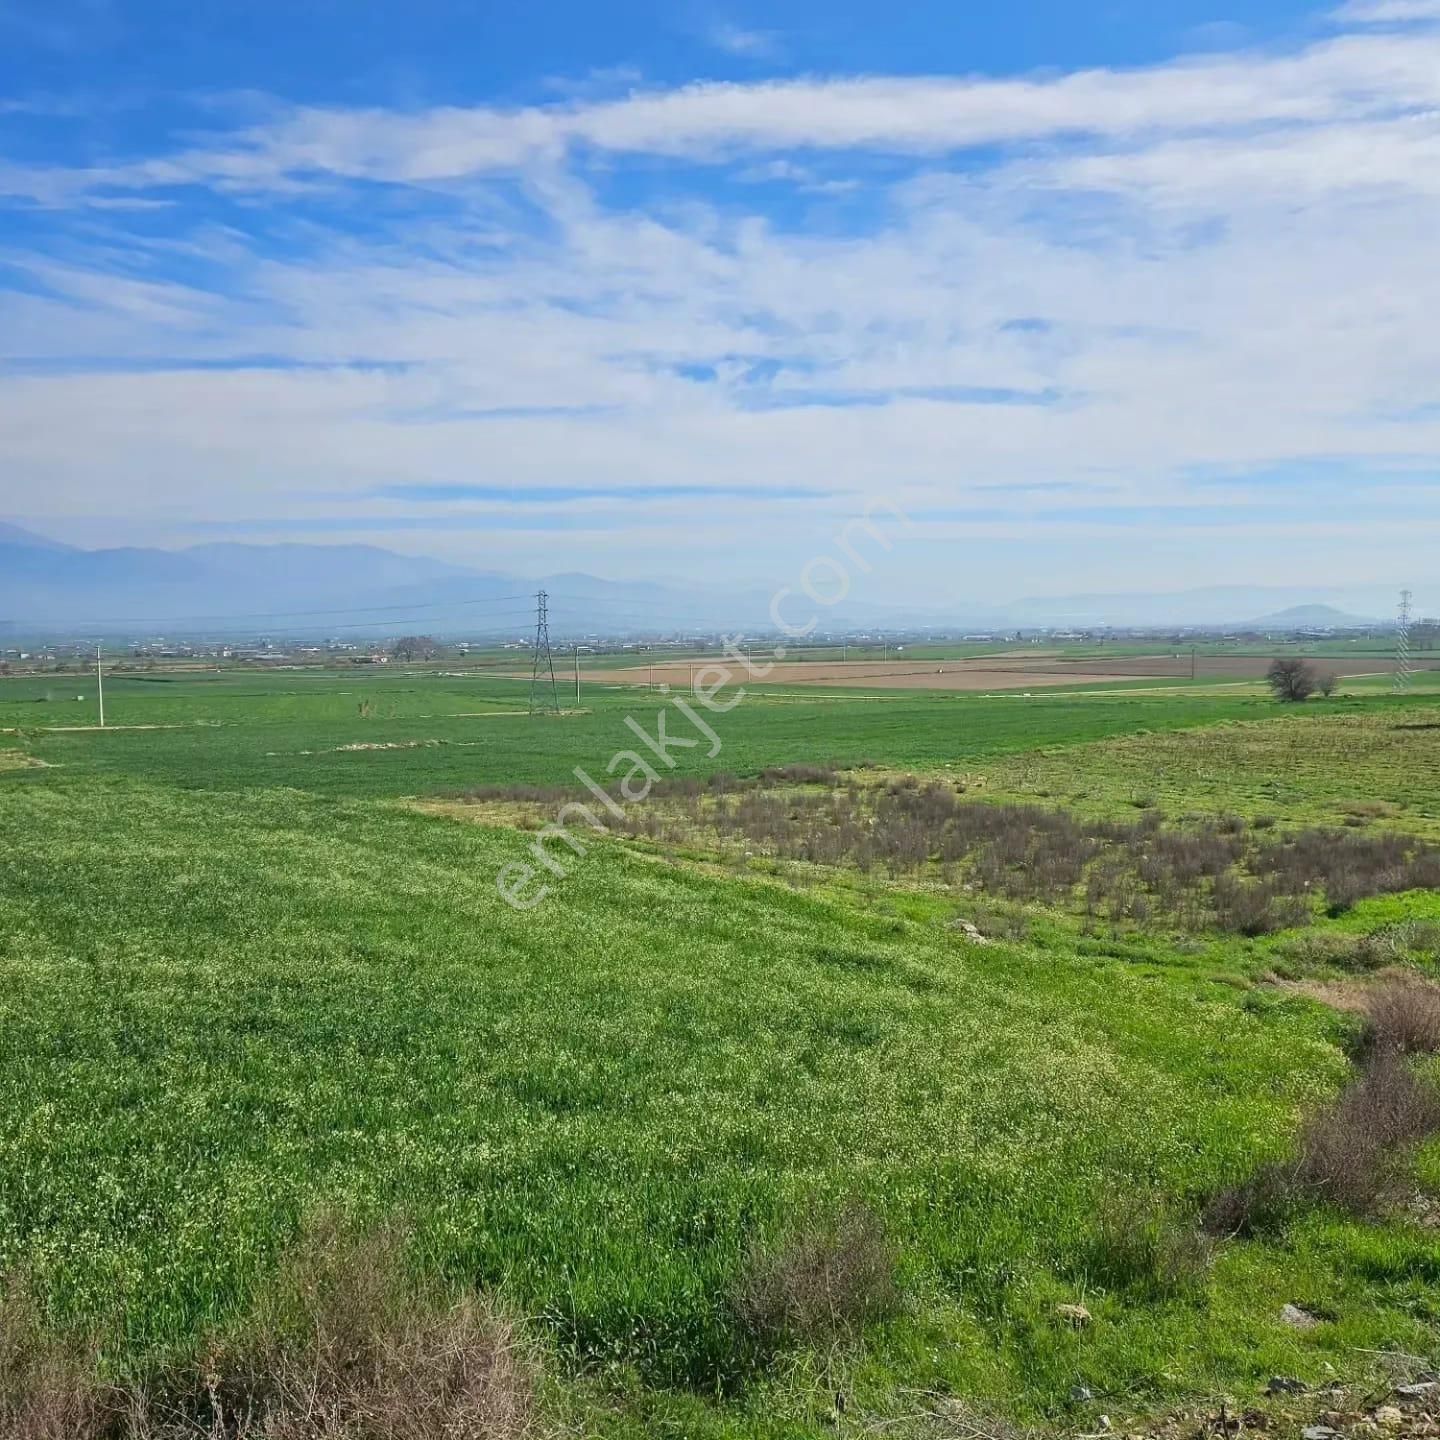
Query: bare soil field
(1019, 671)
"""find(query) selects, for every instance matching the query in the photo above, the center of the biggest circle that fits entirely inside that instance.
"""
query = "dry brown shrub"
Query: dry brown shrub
(1251, 1206)
(824, 1279)
(346, 1346)
(1404, 1013)
(1349, 1150)
(49, 1386)
(1255, 907)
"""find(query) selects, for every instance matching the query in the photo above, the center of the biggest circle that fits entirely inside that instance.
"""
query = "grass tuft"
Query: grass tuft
(1146, 1248)
(823, 1280)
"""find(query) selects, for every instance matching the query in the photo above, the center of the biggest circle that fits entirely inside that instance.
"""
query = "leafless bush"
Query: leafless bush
(1348, 867)
(822, 1280)
(1291, 680)
(1349, 1154)
(799, 775)
(49, 1386)
(1255, 907)
(1200, 873)
(345, 1346)
(1404, 1014)
(1250, 1206)
(1349, 1150)
(547, 795)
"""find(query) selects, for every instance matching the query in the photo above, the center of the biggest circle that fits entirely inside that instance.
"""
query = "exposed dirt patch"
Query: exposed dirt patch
(19, 760)
(1018, 671)
(957, 675)
(1350, 996)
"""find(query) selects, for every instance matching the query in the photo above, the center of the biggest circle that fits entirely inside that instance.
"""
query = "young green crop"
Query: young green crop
(238, 983)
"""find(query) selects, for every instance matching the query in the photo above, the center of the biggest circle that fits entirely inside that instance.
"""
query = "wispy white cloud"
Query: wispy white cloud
(1350, 77)
(1222, 264)
(1387, 12)
(748, 44)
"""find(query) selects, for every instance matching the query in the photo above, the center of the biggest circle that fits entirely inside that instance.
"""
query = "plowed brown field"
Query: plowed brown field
(994, 672)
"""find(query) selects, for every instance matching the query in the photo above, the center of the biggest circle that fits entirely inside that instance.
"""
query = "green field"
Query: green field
(244, 979)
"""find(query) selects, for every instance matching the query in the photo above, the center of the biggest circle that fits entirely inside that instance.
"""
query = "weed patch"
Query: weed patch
(825, 1279)
(1404, 1015)
(1350, 1156)
(343, 1346)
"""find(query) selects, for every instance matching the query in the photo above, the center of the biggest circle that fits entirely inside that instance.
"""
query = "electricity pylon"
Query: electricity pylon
(543, 659)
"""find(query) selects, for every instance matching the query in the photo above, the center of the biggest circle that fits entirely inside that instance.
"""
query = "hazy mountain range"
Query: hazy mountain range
(363, 590)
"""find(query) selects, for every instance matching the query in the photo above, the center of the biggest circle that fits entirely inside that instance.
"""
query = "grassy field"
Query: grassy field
(1370, 766)
(241, 982)
(406, 734)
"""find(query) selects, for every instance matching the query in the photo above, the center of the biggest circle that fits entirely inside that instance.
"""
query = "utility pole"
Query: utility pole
(577, 674)
(1402, 644)
(100, 683)
(542, 654)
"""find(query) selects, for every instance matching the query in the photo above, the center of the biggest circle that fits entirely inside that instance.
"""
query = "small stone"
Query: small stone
(971, 931)
(1390, 1416)
(1300, 1319)
(1319, 1432)
(1417, 1390)
(1077, 1315)
(1285, 1385)
(1081, 1394)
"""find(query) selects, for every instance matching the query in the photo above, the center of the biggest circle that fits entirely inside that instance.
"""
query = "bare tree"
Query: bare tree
(415, 647)
(1326, 682)
(1291, 680)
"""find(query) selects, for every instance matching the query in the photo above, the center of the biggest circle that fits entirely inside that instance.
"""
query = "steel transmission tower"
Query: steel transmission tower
(543, 661)
(1403, 669)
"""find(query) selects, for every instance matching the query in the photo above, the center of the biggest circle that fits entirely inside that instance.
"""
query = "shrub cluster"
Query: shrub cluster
(343, 1347)
(1350, 1151)
(1220, 872)
(1373, 950)
(824, 1279)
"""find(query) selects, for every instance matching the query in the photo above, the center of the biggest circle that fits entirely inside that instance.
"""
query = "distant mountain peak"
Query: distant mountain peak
(1317, 617)
(15, 535)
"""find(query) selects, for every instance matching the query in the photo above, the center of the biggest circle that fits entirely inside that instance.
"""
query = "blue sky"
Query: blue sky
(1109, 297)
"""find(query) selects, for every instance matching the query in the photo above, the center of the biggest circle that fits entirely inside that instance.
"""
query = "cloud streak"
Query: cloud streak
(1086, 287)
(1353, 77)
